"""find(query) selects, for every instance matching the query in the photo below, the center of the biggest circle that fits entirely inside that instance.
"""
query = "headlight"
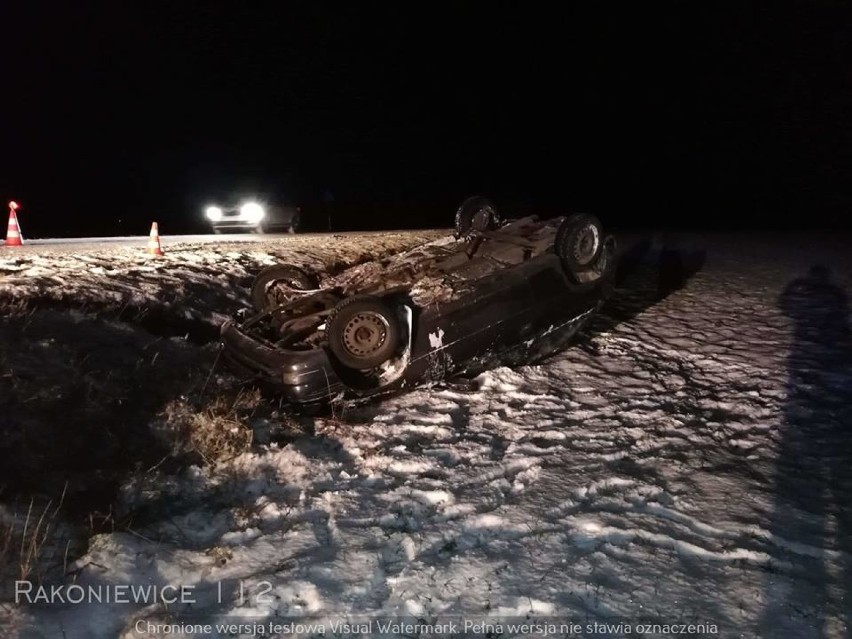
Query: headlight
(252, 212)
(213, 213)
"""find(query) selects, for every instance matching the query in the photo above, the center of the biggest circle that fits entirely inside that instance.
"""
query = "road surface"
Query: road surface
(96, 243)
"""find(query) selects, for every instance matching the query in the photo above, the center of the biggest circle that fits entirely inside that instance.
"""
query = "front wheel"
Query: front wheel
(606, 266)
(363, 332)
(276, 285)
(578, 244)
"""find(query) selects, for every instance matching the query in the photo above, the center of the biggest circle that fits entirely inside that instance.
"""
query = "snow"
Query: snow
(686, 460)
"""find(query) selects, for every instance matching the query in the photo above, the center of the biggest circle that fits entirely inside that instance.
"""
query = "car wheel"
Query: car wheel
(578, 244)
(605, 266)
(607, 255)
(476, 214)
(363, 332)
(266, 292)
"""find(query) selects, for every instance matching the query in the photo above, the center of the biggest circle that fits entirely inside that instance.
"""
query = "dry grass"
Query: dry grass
(218, 438)
(32, 541)
(16, 307)
(217, 432)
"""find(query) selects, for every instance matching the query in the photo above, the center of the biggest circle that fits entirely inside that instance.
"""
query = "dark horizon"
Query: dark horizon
(675, 116)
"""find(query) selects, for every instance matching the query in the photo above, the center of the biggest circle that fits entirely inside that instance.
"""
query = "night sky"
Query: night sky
(715, 116)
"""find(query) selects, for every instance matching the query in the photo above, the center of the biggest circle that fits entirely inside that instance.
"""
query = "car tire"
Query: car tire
(578, 244)
(363, 332)
(476, 213)
(294, 277)
(607, 255)
(606, 266)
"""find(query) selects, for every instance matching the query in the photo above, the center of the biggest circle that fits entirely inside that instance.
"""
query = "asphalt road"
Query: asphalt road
(626, 242)
(141, 241)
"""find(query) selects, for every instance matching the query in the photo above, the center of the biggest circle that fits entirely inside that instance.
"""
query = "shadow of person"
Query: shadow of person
(814, 467)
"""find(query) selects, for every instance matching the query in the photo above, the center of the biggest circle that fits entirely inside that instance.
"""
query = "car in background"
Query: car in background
(253, 215)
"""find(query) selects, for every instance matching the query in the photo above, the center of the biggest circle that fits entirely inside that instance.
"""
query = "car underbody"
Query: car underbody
(458, 306)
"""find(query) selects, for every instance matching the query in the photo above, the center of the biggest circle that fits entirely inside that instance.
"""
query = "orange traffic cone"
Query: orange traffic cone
(154, 247)
(13, 232)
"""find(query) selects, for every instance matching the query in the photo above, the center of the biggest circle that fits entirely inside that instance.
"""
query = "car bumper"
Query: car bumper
(303, 377)
(234, 225)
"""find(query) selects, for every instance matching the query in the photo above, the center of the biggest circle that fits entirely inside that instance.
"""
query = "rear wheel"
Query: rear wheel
(605, 266)
(363, 332)
(476, 214)
(578, 244)
(276, 285)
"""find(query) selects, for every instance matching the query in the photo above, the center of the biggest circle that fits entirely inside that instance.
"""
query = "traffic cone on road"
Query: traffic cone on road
(13, 232)
(154, 247)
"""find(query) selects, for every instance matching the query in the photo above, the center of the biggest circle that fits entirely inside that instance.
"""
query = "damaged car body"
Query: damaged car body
(495, 293)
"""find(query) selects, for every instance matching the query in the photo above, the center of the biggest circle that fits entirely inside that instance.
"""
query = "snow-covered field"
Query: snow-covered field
(687, 461)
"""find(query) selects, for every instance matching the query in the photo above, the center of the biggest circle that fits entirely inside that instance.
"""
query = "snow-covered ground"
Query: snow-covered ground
(203, 282)
(687, 461)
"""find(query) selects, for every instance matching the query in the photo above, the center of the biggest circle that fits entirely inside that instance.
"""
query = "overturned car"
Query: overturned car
(495, 292)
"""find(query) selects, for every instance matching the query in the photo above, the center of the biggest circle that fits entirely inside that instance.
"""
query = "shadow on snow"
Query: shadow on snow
(813, 479)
